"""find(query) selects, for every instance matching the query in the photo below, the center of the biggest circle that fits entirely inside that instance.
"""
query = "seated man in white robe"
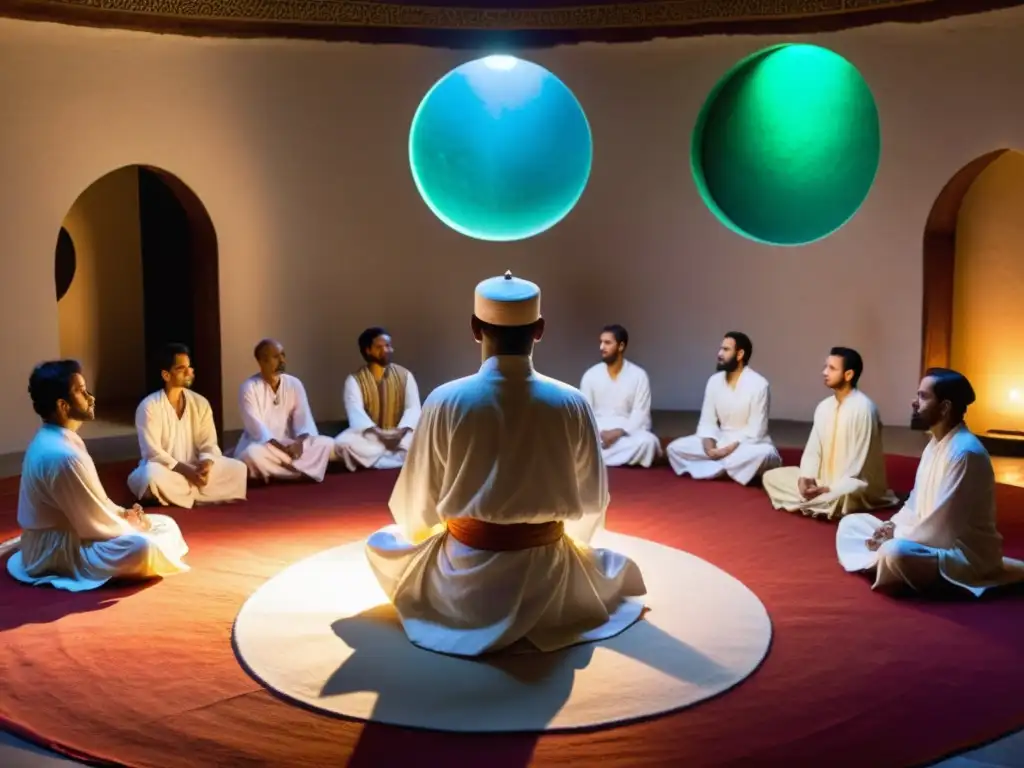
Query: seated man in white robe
(182, 464)
(503, 489)
(842, 469)
(382, 404)
(946, 532)
(281, 440)
(73, 536)
(620, 394)
(732, 434)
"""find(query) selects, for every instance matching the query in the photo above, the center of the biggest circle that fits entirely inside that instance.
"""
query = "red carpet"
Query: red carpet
(146, 676)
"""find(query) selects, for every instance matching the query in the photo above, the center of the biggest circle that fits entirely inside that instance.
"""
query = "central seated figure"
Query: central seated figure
(502, 491)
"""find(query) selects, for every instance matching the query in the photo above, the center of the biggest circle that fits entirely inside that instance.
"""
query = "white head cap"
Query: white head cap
(507, 301)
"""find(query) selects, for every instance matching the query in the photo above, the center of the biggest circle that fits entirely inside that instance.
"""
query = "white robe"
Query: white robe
(358, 449)
(843, 453)
(166, 440)
(73, 536)
(506, 445)
(947, 528)
(729, 415)
(623, 403)
(280, 416)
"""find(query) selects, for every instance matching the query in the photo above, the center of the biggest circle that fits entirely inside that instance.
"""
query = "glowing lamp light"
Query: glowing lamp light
(787, 145)
(500, 63)
(1015, 396)
(500, 149)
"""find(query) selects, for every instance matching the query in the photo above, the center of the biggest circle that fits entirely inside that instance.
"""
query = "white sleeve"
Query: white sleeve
(255, 428)
(355, 408)
(147, 425)
(85, 504)
(640, 415)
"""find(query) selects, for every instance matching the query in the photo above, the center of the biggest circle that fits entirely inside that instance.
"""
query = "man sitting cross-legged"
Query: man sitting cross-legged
(946, 532)
(73, 536)
(281, 440)
(842, 469)
(620, 394)
(732, 435)
(382, 404)
(181, 462)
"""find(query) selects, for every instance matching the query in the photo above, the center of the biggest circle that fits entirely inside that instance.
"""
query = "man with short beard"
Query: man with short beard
(620, 394)
(181, 462)
(73, 536)
(842, 469)
(382, 404)
(732, 435)
(946, 532)
(281, 440)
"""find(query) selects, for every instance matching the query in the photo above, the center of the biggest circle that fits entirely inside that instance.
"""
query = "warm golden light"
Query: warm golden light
(987, 306)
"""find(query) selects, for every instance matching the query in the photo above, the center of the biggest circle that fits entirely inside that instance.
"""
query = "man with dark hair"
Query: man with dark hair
(504, 467)
(382, 404)
(842, 469)
(281, 440)
(732, 434)
(619, 391)
(946, 532)
(73, 536)
(182, 464)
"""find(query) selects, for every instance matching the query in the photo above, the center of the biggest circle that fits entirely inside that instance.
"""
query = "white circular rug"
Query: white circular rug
(322, 634)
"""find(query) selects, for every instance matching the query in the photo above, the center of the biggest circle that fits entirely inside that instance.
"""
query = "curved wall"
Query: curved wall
(299, 152)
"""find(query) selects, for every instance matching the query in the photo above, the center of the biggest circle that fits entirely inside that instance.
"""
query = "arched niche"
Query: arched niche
(939, 263)
(142, 236)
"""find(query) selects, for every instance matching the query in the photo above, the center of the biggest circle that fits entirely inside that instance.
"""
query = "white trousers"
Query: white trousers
(360, 450)
(269, 463)
(226, 483)
(634, 449)
(686, 455)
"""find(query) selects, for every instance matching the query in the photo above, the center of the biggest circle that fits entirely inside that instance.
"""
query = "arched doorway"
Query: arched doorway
(972, 276)
(939, 251)
(136, 267)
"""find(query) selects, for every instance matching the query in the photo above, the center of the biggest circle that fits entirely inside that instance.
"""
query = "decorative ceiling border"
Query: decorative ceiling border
(382, 21)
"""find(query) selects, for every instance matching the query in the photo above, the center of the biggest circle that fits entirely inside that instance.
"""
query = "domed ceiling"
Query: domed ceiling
(471, 23)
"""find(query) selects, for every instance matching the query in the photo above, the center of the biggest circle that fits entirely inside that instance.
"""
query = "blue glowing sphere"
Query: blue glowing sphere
(500, 149)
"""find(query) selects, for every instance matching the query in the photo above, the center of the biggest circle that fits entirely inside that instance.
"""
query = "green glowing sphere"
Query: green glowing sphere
(787, 145)
(500, 149)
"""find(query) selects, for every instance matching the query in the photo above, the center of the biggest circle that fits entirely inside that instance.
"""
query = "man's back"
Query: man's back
(508, 445)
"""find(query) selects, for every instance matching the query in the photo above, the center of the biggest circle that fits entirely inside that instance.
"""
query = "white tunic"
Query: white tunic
(73, 536)
(282, 416)
(948, 523)
(506, 445)
(165, 440)
(730, 415)
(623, 403)
(843, 453)
(357, 449)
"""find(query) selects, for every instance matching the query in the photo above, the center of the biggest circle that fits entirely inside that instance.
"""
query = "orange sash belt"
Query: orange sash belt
(516, 537)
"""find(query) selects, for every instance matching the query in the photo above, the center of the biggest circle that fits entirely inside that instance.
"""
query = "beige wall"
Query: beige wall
(100, 318)
(988, 308)
(299, 151)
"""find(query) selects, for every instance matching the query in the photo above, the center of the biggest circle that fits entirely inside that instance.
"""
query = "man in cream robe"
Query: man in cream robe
(503, 489)
(281, 440)
(732, 434)
(619, 392)
(181, 462)
(946, 532)
(842, 469)
(382, 404)
(73, 536)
